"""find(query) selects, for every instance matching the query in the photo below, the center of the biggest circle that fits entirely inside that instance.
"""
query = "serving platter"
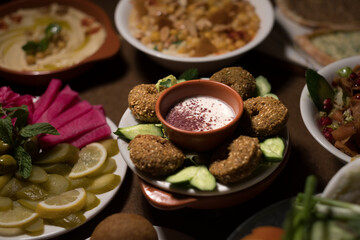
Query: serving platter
(105, 198)
(109, 48)
(156, 189)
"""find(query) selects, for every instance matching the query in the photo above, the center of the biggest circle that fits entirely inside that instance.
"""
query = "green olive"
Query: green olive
(4, 147)
(7, 164)
(31, 146)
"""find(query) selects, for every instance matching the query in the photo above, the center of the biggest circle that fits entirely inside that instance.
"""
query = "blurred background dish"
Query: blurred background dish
(310, 113)
(263, 10)
(95, 28)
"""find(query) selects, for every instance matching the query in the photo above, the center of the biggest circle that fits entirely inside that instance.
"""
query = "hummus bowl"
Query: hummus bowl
(85, 33)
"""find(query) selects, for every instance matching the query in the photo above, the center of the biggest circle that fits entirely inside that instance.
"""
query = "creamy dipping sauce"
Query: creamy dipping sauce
(84, 36)
(200, 113)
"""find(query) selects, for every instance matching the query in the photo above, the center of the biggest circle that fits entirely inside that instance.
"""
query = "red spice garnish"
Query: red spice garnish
(16, 18)
(86, 22)
(3, 25)
(92, 30)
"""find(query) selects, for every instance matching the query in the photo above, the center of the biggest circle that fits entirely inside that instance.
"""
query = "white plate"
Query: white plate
(129, 120)
(105, 198)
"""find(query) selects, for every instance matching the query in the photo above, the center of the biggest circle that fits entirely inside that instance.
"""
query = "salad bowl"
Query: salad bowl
(310, 113)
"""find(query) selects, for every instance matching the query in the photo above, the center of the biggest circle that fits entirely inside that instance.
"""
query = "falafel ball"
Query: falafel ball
(155, 155)
(243, 157)
(124, 226)
(142, 100)
(263, 116)
(237, 78)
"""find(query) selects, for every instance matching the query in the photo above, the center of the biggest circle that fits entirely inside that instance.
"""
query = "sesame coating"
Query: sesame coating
(263, 116)
(155, 155)
(237, 78)
(142, 100)
(244, 156)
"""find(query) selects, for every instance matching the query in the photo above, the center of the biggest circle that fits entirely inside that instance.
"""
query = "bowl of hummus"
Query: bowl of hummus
(40, 40)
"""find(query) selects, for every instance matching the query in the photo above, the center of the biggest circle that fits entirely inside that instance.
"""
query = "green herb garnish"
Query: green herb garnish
(16, 134)
(191, 73)
(31, 47)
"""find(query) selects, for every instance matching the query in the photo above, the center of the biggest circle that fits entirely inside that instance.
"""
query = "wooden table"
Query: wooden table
(109, 82)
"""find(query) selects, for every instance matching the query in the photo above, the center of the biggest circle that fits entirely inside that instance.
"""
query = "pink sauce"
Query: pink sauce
(200, 113)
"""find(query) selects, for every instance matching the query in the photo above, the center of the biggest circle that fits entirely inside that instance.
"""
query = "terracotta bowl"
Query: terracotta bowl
(198, 140)
(109, 48)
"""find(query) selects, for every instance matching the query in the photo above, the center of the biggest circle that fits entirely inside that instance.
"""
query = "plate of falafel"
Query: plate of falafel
(237, 164)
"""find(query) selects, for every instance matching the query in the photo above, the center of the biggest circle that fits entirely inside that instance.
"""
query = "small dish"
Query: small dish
(309, 111)
(264, 175)
(105, 198)
(263, 8)
(198, 140)
(109, 47)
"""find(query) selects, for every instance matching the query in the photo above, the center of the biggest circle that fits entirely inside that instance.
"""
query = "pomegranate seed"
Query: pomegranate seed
(334, 84)
(353, 76)
(356, 96)
(327, 104)
(324, 121)
(327, 134)
(357, 82)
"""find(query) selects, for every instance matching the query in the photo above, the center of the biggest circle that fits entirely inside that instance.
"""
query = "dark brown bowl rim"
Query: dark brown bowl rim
(84, 5)
(196, 82)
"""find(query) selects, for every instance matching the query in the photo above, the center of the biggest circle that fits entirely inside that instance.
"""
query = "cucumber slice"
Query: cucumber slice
(197, 176)
(319, 88)
(203, 180)
(273, 149)
(131, 132)
(262, 86)
(183, 176)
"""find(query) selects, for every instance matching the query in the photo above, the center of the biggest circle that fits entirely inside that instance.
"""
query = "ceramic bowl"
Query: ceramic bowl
(309, 112)
(109, 48)
(198, 140)
(263, 9)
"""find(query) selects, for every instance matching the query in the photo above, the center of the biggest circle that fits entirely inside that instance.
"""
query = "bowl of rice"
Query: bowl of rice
(194, 34)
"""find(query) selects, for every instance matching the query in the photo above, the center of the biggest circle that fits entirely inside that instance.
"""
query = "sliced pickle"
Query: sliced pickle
(59, 168)
(104, 183)
(4, 179)
(80, 182)
(56, 184)
(36, 227)
(70, 221)
(5, 203)
(11, 187)
(61, 153)
(111, 146)
(31, 204)
(91, 201)
(31, 192)
(108, 167)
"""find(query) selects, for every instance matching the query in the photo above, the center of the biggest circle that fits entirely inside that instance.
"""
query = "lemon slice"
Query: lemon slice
(91, 158)
(18, 216)
(62, 205)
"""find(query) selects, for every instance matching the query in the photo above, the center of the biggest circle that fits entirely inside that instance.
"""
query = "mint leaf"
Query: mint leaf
(191, 73)
(36, 129)
(21, 114)
(6, 133)
(24, 161)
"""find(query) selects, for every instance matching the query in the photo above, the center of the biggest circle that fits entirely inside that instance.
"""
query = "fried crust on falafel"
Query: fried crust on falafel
(263, 116)
(124, 226)
(142, 100)
(155, 155)
(243, 157)
(237, 78)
